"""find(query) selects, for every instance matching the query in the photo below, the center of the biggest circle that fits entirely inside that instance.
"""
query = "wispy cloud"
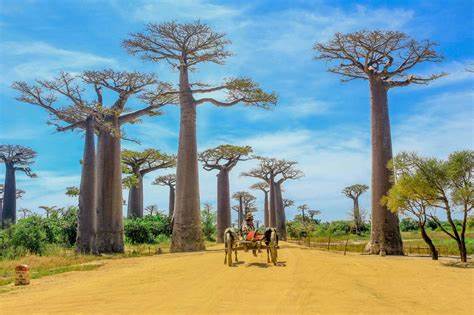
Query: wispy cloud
(27, 60)
(161, 10)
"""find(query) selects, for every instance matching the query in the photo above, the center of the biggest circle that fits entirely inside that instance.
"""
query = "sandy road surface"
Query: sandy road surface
(308, 282)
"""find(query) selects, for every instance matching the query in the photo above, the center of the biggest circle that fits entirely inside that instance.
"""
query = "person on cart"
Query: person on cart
(249, 232)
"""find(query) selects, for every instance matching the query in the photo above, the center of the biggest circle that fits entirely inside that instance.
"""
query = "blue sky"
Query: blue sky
(319, 121)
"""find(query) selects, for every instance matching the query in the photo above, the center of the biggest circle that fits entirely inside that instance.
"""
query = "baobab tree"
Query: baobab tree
(100, 200)
(185, 47)
(385, 59)
(223, 158)
(152, 210)
(19, 194)
(246, 204)
(276, 172)
(267, 170)
(169, 181)
(304, 208)
(312, 214)
(25, 212)
(137, 165)
(353, 192)
(265, 188)
(287, 203)
(16, 158)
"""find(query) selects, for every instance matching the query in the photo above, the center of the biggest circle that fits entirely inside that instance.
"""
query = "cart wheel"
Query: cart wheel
(273, 254)
(229, 257)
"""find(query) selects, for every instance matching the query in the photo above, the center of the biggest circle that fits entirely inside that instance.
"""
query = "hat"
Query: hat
(248, 216)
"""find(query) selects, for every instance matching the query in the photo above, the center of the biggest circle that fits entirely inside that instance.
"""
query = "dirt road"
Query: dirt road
(307, 282)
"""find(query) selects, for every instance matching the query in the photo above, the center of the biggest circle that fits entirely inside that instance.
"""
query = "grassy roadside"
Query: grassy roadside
(412, 242)
(59, 260)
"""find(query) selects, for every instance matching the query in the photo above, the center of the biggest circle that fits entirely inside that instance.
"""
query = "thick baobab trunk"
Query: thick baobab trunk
(266, 210)
(9, 196)
(223, 204)
(135, 199)
(385, 234)
(272, 212)
(171, 202)
(87, 216)
(109, 192)
(187, 234)
(429, 242)
(357, 218)
(280, 213)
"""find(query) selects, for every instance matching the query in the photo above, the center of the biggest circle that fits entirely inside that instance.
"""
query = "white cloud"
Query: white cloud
(163, 10)
(27, 60)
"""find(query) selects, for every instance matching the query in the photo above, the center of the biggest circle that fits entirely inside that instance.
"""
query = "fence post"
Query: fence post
(329, 241)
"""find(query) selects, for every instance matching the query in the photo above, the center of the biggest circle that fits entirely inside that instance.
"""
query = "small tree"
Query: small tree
(16, 158)
(185, 47)
(223, 158)
(169, 181)
(443, 185)
(265, 188)
(208, 219)
(405, 197)
(384, 58)
(353, 192)
(72, 191)
(138, 164)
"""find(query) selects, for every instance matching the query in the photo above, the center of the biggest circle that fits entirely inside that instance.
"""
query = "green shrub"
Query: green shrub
(208, 223)
(146, 229)
(30, 234)
(408, 224)
(69, 226)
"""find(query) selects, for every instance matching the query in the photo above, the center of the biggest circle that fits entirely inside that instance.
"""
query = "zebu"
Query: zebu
(233, 243)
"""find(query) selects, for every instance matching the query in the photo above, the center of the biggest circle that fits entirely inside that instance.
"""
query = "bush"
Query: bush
(208, 223)
(408, 224)
(30, 234)
(69, 226)
(147, 229)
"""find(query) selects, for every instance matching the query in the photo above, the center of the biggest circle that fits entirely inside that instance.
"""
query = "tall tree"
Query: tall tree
(223, 158)
(184, 47)
(19, 194)
(304, 209)
(267, 171)
(137, 165)
(16, 158)
(265, 188)
(246, 204)
(100, 200)
(288, 172)
(152, 210)
(384, 58)
(353, 192)
(169, 181)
